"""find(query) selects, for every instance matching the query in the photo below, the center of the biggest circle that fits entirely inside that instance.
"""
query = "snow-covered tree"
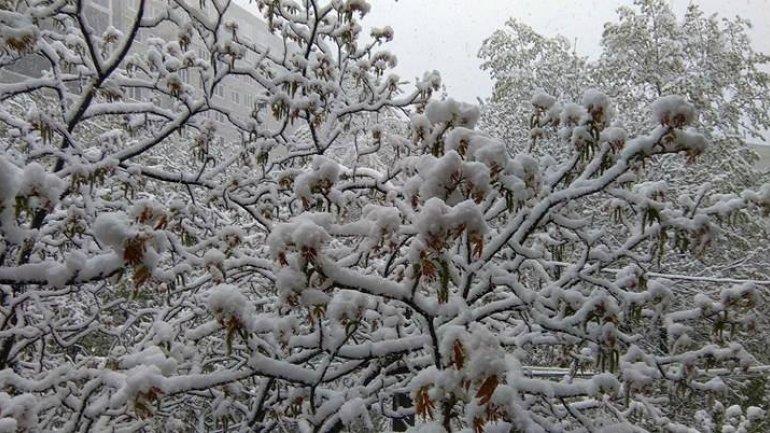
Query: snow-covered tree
(647, 54)
(522, 62)
(154, 278)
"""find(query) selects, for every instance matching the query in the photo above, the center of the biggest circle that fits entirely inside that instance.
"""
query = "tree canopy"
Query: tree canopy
(649, 53)
(362, 243)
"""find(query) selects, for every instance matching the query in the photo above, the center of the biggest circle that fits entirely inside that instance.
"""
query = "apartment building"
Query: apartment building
(237, 95)
(234, 94)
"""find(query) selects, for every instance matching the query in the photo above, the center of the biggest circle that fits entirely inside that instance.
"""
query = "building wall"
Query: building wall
(237, 95)
(764, 156)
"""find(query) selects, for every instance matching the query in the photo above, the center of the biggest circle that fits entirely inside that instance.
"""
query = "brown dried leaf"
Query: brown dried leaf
(424, 404)
(162, 223)
(459, 356)
(478, 424)
(134, 249)
(478, 246)
(141, 275)
(487, 389)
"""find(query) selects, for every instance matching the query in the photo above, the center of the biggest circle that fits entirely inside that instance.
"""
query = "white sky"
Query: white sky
(446, 34)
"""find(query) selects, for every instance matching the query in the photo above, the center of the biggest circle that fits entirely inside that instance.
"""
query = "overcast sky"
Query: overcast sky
(446, 34)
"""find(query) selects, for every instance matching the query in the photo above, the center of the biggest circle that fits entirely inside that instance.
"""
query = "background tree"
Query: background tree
(649, 53)
(153, 278)
(521, 62)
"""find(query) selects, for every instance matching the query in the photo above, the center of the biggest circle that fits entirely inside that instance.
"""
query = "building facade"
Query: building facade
(235, 95)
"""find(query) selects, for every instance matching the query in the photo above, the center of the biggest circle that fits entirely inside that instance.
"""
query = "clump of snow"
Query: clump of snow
(18, 413)
(164, 332)
(431, 219)
(606, 383)
(385, 222)
(119, 232)
(147, 212)
(10, 181)
(468, 215)
(141, 379)
(362, 7)
(459, 140)
(347, 305)
(745, 295)
(42, 188)
(229, 305)
(452, 112)
(636, 371)
(714, 385)
(308, 231)
(542, 100)
(230, 237)
(436, 219)
(491, 153)
(17, 31)
(284, 328)
(581, 136)
(355, 410)
(673, 110)
(421, 127)
(322, 177)
(385, 33)
(290, 284)
(526, 168)
(426, 376)
(487, 357)
(617, 428)
(308, 234)
(655, 190)
(431, 81)
(452, 179)
(690, 141)
(153, 356)
(598, 106)
(754, 413)
(429, 427)
(386, 219)
(213, 257)
(761, 197)
(443, 172)
(733, 411)
(572, 115)
(113, 229)
(8, 425)
(614, 135)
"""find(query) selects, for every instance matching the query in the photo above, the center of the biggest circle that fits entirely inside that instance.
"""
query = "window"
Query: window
(236, 97)
(216, 116)
(134, 93)
(249, 102)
